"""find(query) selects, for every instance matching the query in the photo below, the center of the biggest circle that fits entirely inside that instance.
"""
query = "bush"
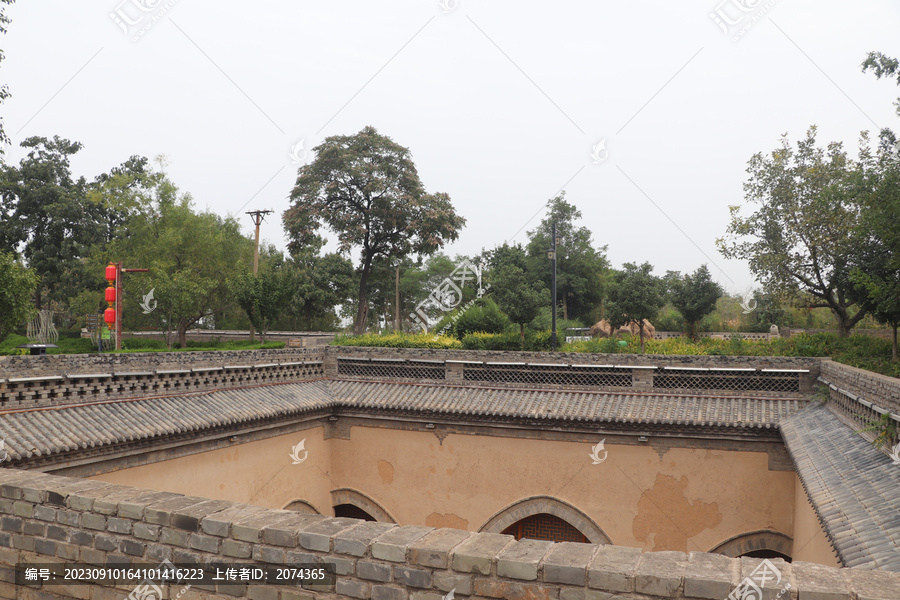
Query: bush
(483, 316)
(399, 340)
(535, 341)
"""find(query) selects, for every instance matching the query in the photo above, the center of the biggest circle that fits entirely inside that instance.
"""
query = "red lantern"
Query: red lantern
(109, 315)
(111, 273)
(111, 295)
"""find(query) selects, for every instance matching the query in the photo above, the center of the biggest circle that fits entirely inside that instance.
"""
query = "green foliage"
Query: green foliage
(802, 236)
(581, 269)
(262, 296)
(17, 286)
(885, 428)
(483, 316)
(366, 190)
(399, 340)
(516, 297)
(694, 295)
(532, 341)
(191, 256)
(635, 295)
(544, 321)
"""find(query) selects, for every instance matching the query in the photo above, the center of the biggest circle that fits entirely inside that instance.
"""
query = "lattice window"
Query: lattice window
(697, 379)
(588, 376)
(391, 368)
(544, 526)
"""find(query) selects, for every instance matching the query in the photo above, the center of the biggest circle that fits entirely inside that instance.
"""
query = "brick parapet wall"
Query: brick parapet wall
(881, 389)
(50, 519)
(38, 381)
(642, 377)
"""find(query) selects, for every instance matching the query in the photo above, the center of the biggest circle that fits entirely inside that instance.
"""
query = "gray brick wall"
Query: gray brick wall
(51, 519)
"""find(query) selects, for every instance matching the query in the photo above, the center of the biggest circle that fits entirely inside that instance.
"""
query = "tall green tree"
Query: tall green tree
(262, 296)
(580, 268)
(800, 239)
(4, 89)
(191, 256)
(365, 189)
(46, 215)
(694, 295)
(516, 297)
(878, 266)
(319, 284)
(636, 294)
(17, 285)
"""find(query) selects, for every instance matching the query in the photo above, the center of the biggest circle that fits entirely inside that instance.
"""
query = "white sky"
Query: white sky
(501, 103)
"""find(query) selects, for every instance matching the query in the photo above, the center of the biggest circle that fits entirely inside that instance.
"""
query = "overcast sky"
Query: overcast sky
(645, 113)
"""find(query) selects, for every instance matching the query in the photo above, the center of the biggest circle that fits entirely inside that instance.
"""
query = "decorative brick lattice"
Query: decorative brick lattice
(866, 414)
(738, 380)
(587, 376)
(391, 368)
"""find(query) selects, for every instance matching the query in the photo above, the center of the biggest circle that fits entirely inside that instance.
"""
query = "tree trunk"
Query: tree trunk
(362, 310)
(641, 333)
(182, 337)
(522, 332)
(565, 308)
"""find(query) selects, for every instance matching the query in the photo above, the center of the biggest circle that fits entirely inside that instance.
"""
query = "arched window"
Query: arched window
(545, 527)
(356, 505)
(302, 506)
(352, 512)
(757, 544)
(543, 515)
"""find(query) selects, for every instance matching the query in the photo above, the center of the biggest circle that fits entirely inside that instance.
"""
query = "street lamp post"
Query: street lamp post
(551, 254)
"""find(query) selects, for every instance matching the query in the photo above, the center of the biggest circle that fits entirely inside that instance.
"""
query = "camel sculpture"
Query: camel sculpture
(603, 329)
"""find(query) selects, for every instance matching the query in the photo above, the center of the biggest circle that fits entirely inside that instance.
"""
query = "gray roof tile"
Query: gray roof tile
(853, 487)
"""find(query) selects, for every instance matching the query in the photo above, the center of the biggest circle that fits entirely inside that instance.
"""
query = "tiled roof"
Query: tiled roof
(585, 406)
(35, 432)
(30, 433)
(854, 488)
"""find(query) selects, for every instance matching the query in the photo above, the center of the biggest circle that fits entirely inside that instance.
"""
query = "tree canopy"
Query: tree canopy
(366, 190)
(636, 294)
(694, 295)
(800, 239)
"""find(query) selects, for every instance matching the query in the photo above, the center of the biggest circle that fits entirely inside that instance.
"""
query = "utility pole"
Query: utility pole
(258, 217)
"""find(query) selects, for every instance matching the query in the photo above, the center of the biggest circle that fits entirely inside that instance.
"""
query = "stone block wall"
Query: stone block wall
(49, 519)
(865, 398)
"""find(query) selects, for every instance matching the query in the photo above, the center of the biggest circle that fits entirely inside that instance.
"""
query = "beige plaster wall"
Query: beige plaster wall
(810, 542)
(260, 472)
(688, 499)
